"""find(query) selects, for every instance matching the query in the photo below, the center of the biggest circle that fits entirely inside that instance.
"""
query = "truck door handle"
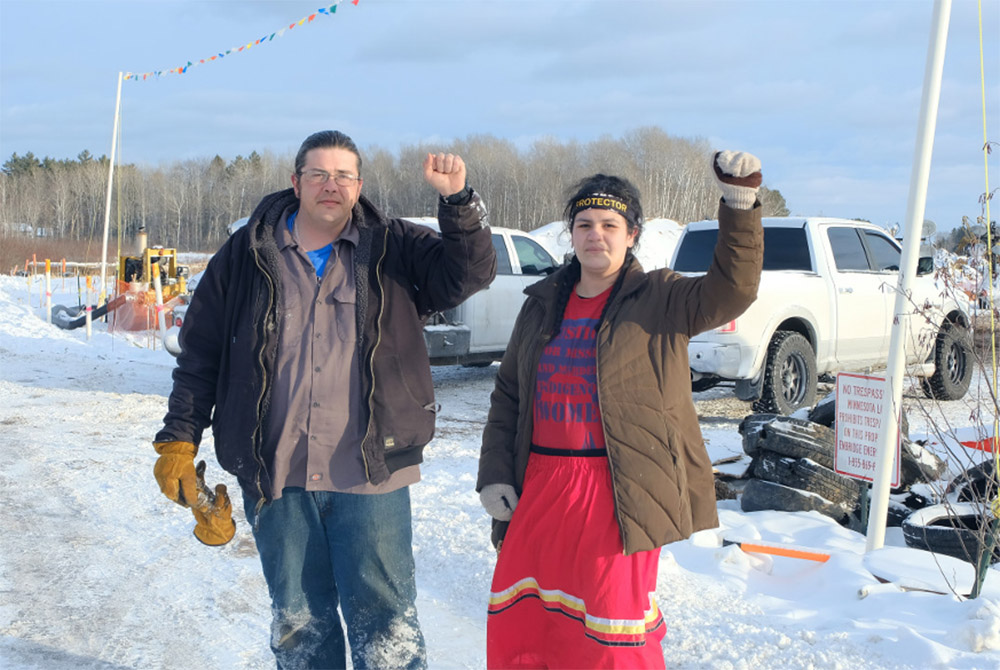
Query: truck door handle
(846, 290)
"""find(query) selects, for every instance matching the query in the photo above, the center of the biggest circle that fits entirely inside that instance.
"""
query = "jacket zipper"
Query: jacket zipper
(260, 399)
(544, 340)
(611, 462)
(371, 358)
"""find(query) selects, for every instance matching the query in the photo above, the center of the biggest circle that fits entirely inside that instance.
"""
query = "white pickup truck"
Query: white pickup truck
(825, 304)
(477, 331)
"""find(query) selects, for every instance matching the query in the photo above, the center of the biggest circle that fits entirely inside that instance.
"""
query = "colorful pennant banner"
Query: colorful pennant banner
(322, 11)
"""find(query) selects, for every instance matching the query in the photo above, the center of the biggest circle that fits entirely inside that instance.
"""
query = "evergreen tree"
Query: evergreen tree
(21, 165)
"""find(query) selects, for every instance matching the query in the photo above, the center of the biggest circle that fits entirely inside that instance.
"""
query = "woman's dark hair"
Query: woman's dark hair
(620, 188)
(598, 184)
(325, 139)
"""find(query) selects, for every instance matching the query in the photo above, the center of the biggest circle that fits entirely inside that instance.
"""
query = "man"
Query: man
(305, 336)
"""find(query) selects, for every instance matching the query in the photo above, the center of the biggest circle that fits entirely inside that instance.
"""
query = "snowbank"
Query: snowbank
(98, 570)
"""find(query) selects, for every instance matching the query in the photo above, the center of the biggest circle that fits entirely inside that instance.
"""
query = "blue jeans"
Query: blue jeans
(320, 549)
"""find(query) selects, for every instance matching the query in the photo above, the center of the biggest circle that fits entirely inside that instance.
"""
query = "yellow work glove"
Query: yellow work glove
(174, 471)
(215, 517)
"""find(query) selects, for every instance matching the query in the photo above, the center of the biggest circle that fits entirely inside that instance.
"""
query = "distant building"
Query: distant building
(24, 230)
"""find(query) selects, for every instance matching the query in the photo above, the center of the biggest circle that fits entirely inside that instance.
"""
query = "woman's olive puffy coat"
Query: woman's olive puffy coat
(661, 474)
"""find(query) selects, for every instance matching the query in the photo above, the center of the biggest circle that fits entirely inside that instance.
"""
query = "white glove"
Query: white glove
(499, 501)
(738, 175)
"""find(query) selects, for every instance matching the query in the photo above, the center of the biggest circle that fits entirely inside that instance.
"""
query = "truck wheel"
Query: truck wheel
(789, 374)
(952, 364)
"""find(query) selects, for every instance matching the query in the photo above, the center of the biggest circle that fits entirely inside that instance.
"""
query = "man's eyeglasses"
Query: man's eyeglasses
(319, 177)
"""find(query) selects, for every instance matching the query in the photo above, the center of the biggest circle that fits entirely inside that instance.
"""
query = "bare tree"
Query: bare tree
(190, 204)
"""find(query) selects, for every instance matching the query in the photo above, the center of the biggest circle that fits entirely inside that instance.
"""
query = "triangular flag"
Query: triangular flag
(332, 9)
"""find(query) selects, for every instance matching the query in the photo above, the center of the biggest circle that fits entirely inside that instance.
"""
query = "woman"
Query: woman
(592, 435)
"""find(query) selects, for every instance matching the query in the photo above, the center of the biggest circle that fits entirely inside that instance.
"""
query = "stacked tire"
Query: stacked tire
(964, 527)
(792, 469)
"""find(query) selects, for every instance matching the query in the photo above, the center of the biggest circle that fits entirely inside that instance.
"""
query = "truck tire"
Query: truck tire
(919, 464)
(976, 483)
(825, 411)
(759, 495)
(955, 529)
(789, 374)
(751, 427)
(952, 364)
(799, 439)
(807, 475)
(704, 384)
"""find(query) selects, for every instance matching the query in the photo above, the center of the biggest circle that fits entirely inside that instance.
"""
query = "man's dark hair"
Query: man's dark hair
(618, 187)
(326, 139)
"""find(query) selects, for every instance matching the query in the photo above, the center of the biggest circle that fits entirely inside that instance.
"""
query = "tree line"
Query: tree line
(188, 204)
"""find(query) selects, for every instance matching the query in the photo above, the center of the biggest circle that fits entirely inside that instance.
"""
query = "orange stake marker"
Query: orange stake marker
(778, 550)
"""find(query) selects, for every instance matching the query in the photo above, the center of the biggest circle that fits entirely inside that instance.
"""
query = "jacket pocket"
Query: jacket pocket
(403, 405)
(344, 298)
(673, 460)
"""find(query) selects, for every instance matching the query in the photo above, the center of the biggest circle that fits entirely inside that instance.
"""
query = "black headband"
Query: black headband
(603, 201)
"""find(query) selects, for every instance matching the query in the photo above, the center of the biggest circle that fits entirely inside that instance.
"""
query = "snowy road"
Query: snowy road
(98, 570)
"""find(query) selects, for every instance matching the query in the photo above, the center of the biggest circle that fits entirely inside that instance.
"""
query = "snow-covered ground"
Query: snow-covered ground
(98, 570)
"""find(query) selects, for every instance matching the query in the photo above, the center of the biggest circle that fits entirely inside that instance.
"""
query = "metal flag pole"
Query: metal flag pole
(107, 199)
(912, 226)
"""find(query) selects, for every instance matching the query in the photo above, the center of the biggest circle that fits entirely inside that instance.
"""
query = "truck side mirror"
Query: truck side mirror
(925, 265)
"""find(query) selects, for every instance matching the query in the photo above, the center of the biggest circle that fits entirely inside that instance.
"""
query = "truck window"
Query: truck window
(784, 249)
(884, 252)
(848, 249)
(534, 259)
(503, 258)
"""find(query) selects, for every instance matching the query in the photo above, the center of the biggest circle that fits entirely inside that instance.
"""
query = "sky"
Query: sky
(827, 93)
